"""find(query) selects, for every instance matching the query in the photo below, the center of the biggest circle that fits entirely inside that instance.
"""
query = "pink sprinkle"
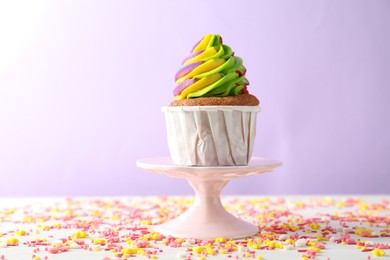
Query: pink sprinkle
(53, 250)
(382, 246)
(142, 243)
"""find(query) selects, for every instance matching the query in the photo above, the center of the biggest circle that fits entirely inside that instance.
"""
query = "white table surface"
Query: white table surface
(41, 217)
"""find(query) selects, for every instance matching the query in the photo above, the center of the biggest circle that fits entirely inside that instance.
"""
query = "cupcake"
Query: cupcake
(212, 118)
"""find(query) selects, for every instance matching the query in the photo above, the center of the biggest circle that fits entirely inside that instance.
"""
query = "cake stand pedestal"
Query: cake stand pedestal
(207, 218)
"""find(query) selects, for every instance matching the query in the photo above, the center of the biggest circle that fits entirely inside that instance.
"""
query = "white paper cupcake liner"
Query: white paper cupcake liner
(211, 135)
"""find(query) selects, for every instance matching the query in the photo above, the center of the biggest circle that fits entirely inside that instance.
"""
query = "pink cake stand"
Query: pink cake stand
(207, 218)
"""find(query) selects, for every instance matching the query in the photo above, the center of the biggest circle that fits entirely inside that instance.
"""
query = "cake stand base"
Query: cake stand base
(207, 218)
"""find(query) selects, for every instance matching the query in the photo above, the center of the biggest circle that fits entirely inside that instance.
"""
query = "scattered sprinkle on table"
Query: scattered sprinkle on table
(122, 228)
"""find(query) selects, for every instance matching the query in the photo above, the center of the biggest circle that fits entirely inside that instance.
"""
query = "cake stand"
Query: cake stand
(207, 218)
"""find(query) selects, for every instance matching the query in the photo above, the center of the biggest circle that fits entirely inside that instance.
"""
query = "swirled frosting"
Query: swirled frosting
(211, 70)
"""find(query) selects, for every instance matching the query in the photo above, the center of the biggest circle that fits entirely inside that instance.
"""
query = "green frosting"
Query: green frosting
(232, 71)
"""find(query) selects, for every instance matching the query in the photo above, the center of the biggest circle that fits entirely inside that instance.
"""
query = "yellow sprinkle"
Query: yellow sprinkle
(202, 258)
(153, 257)
(259, 257)
(316, 249)
(220, 240)
(223, 251)
(99, 241)
(97, 248)
(12, 241)
(315, 226)
(140, 251)
(156, 237)
(254, 246)
(36, 258)
(279, 245)
(248, 255)
(321, 238)
(378, 252)
(146, 222)
(289, 241)
(198, 249)
(126, 255)
(21, 233)
(81, 234)
(340, 205)
(210, 251)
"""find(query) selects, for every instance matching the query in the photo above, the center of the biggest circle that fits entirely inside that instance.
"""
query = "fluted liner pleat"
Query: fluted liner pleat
(211, 135)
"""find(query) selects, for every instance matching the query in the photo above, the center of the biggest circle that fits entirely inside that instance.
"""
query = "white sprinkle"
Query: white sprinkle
(181, 255)
(325, 218)
(368, 243)
(186, 244)
(191, 241)
(104, 228)
(300, 242)
(98, 235)
(332, 239)
(288, 247)
(241, 248)
(283, 237)
(3, 245)
(74, 245)
(57, 243)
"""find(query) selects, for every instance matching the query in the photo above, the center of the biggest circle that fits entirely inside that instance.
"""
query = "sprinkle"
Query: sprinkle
(181, 255)
(378, 252)
(12, 241)
(300, 242)
(315, 226)
(283, 237)
(120, 227)
(74, 245)
(21, 233)
(198, 249)
(186, 244)
(288, 247)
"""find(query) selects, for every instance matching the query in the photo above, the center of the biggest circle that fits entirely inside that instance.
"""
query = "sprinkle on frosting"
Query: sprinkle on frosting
(211, 70)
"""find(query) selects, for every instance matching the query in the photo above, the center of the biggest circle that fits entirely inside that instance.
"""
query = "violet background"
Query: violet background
(82, 83)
